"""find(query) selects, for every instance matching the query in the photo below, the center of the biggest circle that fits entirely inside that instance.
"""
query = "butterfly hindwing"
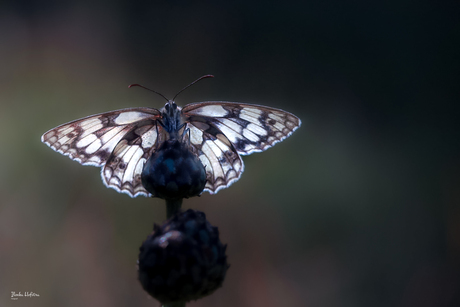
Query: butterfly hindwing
(250, 128)
(123, 169)
(222, 162)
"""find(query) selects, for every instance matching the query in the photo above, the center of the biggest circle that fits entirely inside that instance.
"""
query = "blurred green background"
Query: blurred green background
(359, 207)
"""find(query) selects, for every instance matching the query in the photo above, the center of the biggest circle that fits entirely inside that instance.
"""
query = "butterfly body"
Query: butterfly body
(171, 119)
(217, 133)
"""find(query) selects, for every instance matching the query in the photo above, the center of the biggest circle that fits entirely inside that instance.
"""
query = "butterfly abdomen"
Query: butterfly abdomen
(173, 171)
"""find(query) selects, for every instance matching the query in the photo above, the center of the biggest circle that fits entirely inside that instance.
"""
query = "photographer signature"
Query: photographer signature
(15, 295)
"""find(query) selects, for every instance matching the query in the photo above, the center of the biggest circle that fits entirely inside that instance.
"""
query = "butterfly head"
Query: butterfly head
(171, 113)
(171, 118)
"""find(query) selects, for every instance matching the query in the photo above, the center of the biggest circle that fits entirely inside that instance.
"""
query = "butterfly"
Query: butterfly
(217, 132)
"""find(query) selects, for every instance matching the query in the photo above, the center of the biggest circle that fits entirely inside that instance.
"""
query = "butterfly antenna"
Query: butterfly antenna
(200, 78)
(130, 86)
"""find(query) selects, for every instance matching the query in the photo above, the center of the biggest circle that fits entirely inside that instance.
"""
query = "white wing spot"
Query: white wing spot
(91, 129)
(65, 130)
(129, 173)
(52, 139)
(110, 134)
(130, 117)
(257, 129)
(115, 181)
(196, 136)
(139, 166)
(221, 145)
(211, 110)
(275, 117)
(86, 141)
(290, 125)
(107, 172)
(149, 138)
(130, 153)
(250, 118)
(110, 143)
(237, 165)
(231, 124)
(217, 151)
(278, 126)
(49, 134)
(229, 133)
(231, 174)
(226, 167)
(94, 146)
(208, 149)
(89, 122)
(64, 139)
(94, 159)
(245, 110)
(250, 135)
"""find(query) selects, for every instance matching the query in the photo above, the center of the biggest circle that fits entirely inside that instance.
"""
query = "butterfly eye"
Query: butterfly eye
(167, 107)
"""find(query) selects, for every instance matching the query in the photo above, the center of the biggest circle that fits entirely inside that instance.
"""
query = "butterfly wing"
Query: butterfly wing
(227, 130)
(123, 169)
(120, 141)
(222, 162)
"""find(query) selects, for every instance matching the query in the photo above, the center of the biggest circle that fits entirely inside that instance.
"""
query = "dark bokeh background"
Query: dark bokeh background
(359, 207)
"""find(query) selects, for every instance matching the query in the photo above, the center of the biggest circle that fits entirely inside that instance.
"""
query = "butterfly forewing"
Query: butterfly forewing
(250, 128)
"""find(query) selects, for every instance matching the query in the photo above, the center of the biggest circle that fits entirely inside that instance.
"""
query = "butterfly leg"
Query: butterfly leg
(187, 130)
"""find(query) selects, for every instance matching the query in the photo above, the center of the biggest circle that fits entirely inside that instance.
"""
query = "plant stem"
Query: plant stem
(172, 207)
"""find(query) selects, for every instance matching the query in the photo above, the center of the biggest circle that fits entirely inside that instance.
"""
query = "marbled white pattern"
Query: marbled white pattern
(218, 133)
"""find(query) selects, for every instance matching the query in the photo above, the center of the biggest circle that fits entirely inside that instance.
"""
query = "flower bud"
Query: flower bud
(183, 259)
